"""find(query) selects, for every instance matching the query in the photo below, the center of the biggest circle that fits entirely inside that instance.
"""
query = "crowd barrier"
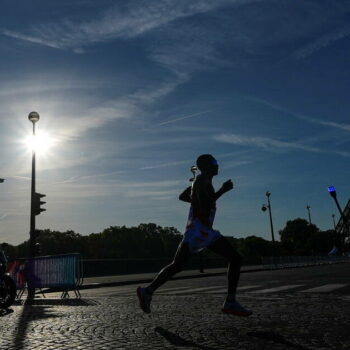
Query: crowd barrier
(60, 272)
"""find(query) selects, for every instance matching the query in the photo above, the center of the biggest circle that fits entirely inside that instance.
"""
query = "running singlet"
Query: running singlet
(199, 229)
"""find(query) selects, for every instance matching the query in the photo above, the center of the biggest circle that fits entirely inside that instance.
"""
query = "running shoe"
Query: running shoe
(145, 299)
(235, 308)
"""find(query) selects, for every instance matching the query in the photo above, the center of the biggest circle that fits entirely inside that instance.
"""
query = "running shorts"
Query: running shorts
(199, 236)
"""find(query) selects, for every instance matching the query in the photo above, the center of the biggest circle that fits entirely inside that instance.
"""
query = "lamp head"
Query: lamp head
(332, 191)
(33, 117)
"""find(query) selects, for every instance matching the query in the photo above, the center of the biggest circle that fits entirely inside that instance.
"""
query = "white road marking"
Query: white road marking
(277, 289)
(159, 291)
(224, 290)
(325, 288)
(166, 290)
(192, 290)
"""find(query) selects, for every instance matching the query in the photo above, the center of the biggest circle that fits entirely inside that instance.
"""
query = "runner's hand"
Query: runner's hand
(227, 186)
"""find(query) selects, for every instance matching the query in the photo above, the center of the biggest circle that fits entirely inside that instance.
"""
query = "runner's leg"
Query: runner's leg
(181, 256)
(223, 247)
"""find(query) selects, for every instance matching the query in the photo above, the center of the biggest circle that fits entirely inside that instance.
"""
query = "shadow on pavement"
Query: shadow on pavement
(59, 302)
(175, 339)
(29, 313)
(5, 312)
(39, 309)
(275, 337)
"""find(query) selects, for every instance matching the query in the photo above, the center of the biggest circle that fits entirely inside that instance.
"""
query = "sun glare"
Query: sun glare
(41, 142)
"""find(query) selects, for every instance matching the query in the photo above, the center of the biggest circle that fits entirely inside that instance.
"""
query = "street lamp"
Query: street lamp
(264, 208)
(33, 117)
(308, 210)
(333, 216)
(333, 194)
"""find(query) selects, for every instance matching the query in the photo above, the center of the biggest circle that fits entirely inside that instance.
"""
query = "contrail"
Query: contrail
(185, 117)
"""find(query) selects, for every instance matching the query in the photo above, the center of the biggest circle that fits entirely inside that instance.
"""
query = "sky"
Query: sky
(130, 93)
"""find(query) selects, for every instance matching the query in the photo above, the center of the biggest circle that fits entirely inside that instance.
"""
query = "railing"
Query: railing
(105, 267)
(291, 261)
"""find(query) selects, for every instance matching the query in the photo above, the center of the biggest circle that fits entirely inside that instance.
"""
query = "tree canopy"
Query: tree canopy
(298, 237)
(151, 241)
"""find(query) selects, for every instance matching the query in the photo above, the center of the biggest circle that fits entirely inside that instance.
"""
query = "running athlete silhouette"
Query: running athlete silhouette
(199, 235)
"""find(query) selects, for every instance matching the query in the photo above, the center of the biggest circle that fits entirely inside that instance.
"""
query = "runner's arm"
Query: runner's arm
(185, 196)
(227, 186)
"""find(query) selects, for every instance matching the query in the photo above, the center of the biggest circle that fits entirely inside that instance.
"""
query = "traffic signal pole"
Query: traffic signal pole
(32, 215)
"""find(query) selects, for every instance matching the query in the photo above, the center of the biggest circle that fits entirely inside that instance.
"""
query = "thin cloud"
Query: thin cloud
(165, 165)
(29, 38)
(77, 190)
(322, 42)
(262, 142)
(340, 126)
(182, 118)
(116, 22)
(30, 87)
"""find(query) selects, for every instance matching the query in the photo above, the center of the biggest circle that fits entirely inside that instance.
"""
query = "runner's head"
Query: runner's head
(206, 163)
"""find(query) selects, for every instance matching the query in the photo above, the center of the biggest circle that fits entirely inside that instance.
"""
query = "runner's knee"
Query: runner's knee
(236, 259)
(176, 266)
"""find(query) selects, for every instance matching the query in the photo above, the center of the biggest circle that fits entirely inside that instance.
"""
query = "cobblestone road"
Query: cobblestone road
(179, 322)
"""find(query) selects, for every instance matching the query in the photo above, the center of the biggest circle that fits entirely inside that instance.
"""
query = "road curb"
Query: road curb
(199, 275)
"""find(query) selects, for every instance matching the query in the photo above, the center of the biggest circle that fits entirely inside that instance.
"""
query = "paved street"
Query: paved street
(303, 308)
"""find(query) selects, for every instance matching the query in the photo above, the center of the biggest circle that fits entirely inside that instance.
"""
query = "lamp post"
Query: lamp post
(264, 208)
(333, 216)
(308, 210)
(333, 194)
(33, 117)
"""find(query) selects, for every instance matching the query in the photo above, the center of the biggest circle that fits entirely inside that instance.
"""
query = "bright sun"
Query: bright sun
(41, 142)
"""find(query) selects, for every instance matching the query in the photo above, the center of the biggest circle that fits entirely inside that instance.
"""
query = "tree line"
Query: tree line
(150, 240)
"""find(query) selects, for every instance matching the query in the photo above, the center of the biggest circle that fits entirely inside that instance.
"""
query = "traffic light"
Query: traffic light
(37, 202)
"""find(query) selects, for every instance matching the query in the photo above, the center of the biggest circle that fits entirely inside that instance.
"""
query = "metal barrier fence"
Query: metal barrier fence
(61, 272)
(290, 261)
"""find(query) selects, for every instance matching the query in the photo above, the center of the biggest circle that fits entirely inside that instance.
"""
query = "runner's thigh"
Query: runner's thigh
(182, 254)
(224, 248)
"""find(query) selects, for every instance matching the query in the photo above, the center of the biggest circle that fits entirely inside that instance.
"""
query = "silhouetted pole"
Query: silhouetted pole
(308, 210)
(333, 216)
(33, 117)
(268, 194)
(333, 194)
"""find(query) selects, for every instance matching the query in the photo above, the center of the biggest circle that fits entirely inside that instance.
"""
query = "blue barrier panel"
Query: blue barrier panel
(56, 271)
